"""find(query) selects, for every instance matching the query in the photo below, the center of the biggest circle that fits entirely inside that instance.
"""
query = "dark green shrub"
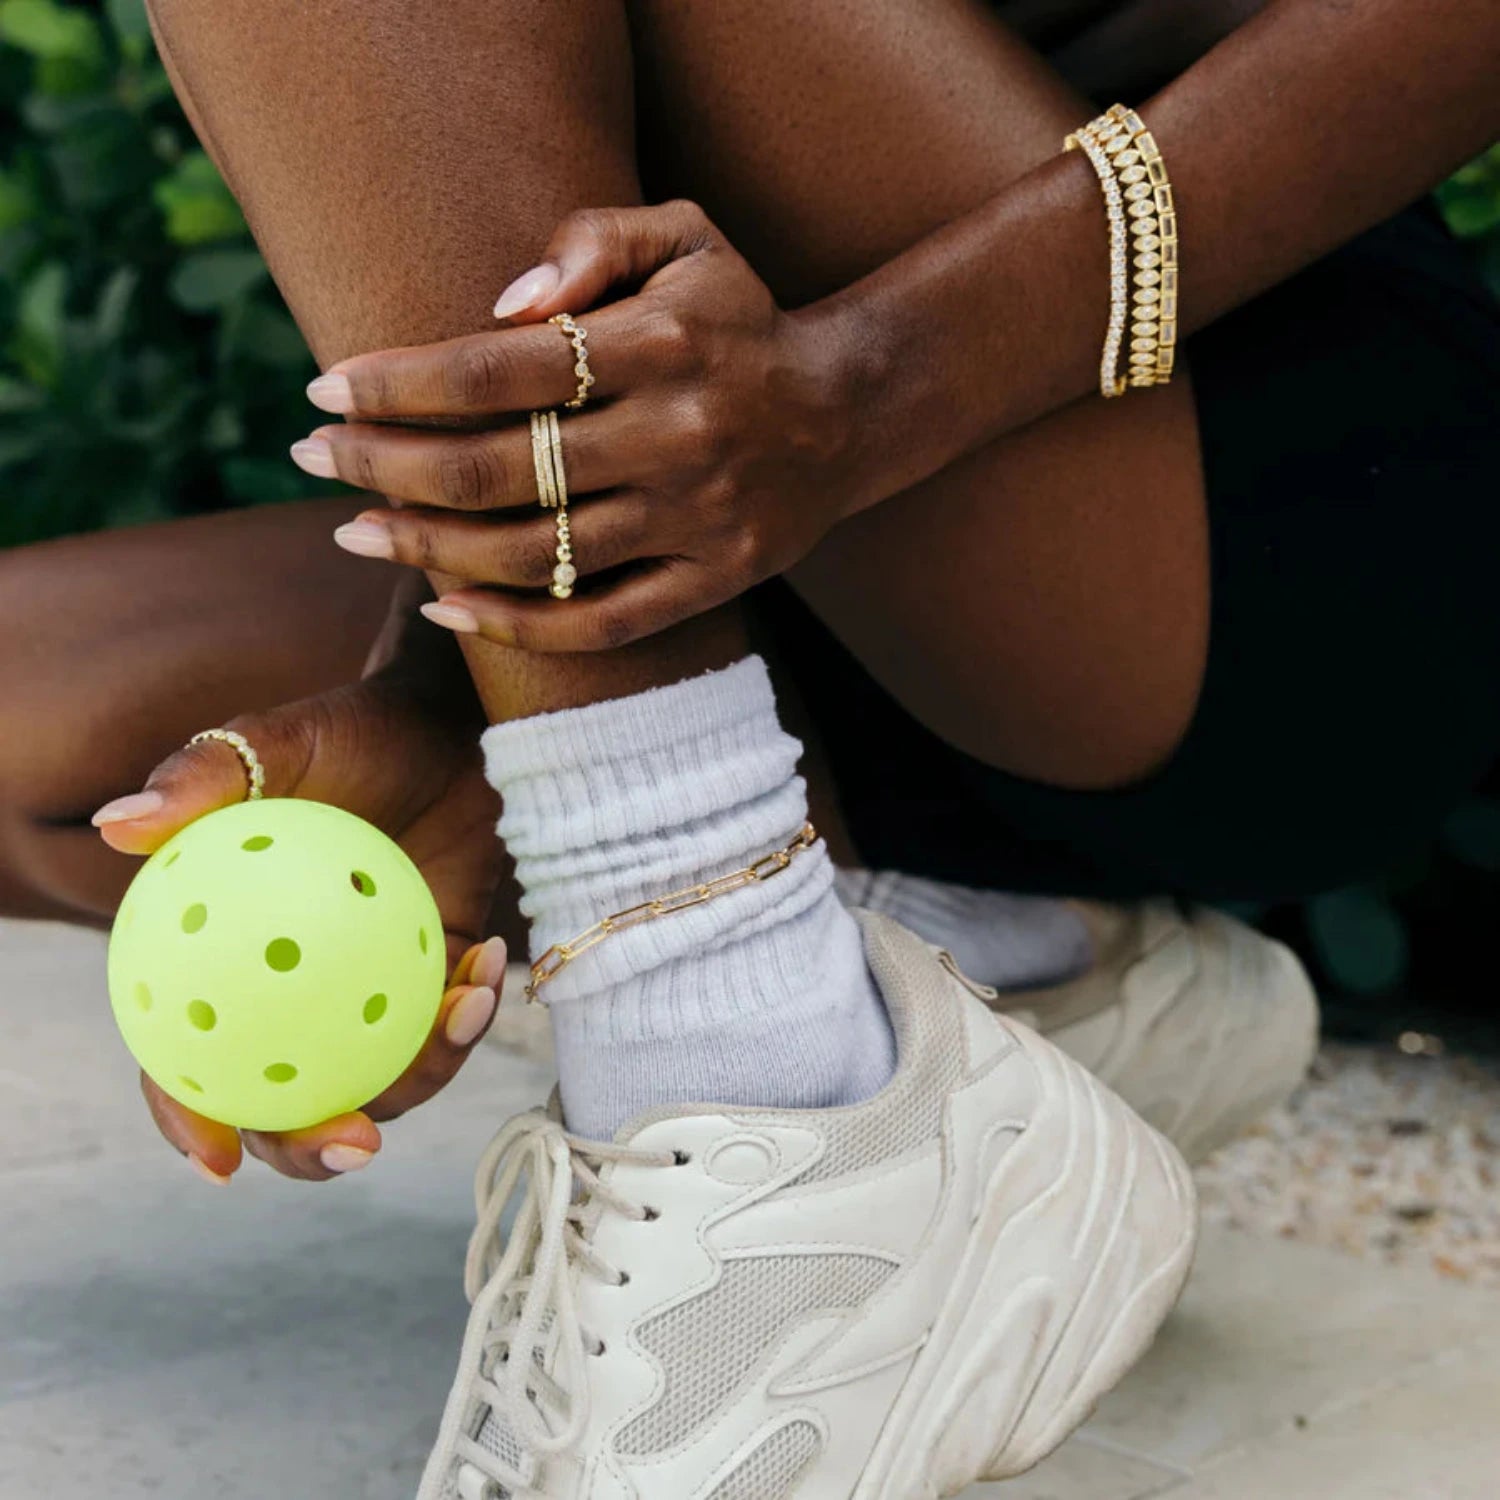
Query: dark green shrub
(147, 364)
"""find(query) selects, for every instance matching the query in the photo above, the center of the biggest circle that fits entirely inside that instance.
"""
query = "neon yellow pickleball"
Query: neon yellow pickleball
(277, 963)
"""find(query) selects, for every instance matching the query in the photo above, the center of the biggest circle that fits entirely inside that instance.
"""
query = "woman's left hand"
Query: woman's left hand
(714, 450)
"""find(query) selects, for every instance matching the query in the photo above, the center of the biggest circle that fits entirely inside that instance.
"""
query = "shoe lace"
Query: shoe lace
(523, 1290)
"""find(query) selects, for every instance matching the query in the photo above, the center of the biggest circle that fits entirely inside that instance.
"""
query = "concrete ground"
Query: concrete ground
(161, 1338)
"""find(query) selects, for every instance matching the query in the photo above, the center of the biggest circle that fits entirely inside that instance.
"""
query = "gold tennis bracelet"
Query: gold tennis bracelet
(560, 955)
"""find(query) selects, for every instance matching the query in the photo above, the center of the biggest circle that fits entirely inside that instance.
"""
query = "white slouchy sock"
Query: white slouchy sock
(1011, 942)
(759, 996)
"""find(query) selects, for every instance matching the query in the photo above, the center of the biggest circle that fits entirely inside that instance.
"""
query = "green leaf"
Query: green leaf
(131, 27)
(113, 305)
(197, 207)
(48, 30)
(19, 396)
(1359, 938)
(268, 336)
(212, 279)
(40, 324)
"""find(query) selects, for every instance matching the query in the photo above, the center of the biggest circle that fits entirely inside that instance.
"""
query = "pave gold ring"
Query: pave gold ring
(552, 493)
(255, 773)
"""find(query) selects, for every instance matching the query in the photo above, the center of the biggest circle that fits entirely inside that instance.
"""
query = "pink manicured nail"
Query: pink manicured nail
(470, 1016)
(489, 967)
(452, 617)
(126, 809)
(525, 291)
(315, 456)
(331, 393)
(341, 1158)
(365, 539)
(206, 1172)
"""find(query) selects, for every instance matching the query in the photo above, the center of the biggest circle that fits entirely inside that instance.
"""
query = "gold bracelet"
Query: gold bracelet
(1138, 160)
(1125, 155)
(560, 955)
(1110, 381)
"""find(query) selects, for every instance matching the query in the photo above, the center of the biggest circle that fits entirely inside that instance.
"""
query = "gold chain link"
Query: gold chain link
(560, 955)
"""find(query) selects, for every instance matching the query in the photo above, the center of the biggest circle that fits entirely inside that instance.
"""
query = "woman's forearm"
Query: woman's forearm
(1313, 121)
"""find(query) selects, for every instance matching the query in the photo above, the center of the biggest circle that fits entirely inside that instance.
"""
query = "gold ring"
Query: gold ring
(576, 336)
(552, 491)
(246, 752)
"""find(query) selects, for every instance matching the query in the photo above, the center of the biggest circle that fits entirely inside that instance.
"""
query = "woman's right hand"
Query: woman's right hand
(392, 752)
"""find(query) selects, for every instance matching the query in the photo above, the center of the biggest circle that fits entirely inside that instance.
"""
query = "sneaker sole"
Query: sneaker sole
(1053, 1302)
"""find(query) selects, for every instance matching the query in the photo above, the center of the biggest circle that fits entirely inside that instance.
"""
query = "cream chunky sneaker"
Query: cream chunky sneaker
(1197, 1021)
(888, 1301)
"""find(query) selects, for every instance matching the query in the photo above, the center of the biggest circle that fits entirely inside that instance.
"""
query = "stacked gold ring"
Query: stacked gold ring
(552, 494)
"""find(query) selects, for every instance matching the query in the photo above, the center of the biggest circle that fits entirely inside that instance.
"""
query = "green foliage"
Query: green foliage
(1470, 201)
(147, 365)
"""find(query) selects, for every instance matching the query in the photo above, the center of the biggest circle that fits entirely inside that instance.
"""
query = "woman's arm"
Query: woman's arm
(1312, 122)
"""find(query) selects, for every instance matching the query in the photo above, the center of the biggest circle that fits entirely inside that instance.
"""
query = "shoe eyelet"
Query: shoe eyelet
(682, 1158)
(624, 1279)
(650, 1215)
(602, 1350)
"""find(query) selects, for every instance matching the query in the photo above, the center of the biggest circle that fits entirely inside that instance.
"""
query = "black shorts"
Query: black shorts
(1350, 428)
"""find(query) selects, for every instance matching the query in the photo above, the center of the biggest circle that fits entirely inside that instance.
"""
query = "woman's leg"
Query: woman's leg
(125, 644)
(439, 158)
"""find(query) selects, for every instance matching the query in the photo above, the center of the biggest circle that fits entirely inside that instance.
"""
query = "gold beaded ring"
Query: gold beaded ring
(254, 770)
(576, 337)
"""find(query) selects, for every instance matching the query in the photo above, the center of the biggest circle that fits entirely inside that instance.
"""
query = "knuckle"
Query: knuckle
(462, 476)
(698, 431)
(598, 225)
(671, 338)
(534, 558)
(476, 373)
(611, 629)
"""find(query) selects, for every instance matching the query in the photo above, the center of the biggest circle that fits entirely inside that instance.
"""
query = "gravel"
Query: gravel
(1392, 1157)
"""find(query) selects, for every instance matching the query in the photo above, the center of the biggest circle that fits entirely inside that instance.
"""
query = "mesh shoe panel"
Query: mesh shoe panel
(771, 1472)
(710, 1344)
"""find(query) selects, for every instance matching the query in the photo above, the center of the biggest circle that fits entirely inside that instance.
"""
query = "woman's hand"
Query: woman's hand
(714, 451)
(380, 749)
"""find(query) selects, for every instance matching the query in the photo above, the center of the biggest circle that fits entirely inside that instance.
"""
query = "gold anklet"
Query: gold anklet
(560, 955)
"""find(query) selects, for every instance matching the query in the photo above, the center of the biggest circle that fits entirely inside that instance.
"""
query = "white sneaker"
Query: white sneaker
(889, 1300)
(1198, 1022)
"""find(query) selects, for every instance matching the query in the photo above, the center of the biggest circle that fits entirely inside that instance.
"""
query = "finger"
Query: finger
(483, 964)
(199, 779)
(474, 470)
(343, 1144)
(212, 1149)
(479, 375)
(463, 1018)
(640, 605)
(596, 249)
(517, 553)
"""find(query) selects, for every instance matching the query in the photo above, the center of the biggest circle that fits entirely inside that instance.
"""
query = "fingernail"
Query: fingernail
(489, 967)
(205, 1171)
(331, 393)
(126, 809)
(451, 617)
(470, 1016)
(341, 1158)
(315, 456)
(527, 290)
(365, 539)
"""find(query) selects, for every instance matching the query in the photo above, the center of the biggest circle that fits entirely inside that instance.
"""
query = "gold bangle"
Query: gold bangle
(1110, 381)
(1124, 153)
(560, 955)
(254, 771)
(576, 336)
(1138, 160)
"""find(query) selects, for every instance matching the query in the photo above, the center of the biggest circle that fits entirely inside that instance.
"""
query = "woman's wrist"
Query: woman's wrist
(979, 328)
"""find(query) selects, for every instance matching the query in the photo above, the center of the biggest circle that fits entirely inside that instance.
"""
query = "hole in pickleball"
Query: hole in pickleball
(283, 955)
(255, 845)
(375, 1008)
(194, 917)
(190, 1083)
(143, 996)
(202, 1015)
(422, 939)
(362, 882)
(172, 859)
(280, 1073)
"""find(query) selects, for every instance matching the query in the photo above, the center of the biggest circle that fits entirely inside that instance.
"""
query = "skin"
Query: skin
(960, 242)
